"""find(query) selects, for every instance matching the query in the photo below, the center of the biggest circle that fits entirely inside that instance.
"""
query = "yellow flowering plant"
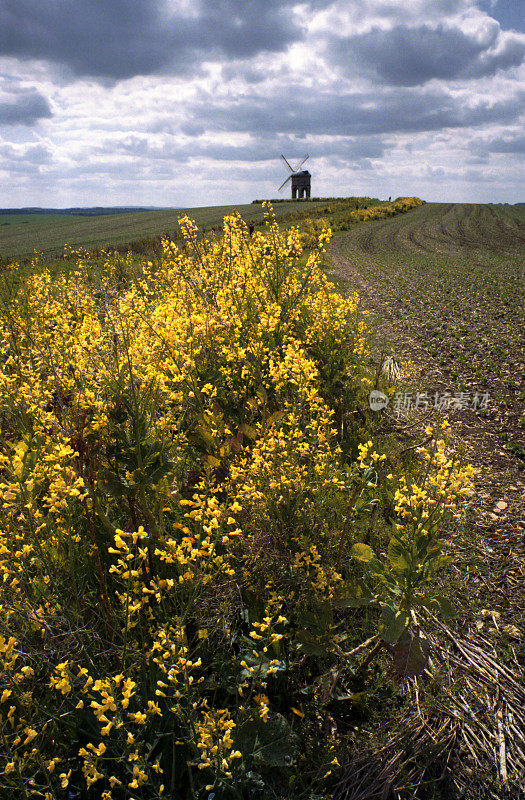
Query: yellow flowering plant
(180, 490)
(424, 500)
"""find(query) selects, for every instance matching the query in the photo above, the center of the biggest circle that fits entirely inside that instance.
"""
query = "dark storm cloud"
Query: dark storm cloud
(483, 148)
(263, 149)
(118, 39)
(24, 160)
(23, 107)
(500, 145)
(329, 114)
(411, 56)
(243, 71)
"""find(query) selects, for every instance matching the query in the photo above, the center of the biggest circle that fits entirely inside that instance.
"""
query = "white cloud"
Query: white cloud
(423, 95)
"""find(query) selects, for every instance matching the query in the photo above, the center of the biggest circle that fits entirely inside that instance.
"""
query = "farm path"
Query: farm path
(444, 286)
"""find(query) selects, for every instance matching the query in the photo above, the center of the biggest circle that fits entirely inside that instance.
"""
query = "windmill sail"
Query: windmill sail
(287, 163)
(289, 178)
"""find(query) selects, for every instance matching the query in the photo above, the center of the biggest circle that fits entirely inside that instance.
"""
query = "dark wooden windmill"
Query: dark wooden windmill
(301, 180)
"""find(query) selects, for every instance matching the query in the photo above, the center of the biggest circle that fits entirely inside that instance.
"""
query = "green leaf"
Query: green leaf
(311, 645)
(324, 614)
(362, 552)
(397, 556)
(446, 607)
(248, 431)
(422, 543)
(275, 417)
(204, 436)
(262, 394)
(113, 484)
(369, 507)
(392, 623)
(319, 618)
(410, 655)
(236, 442)
(357, 699)
(270, 744)
(354, 594)
(438, 562)
(160, 471)
(440, 604)
(262, 665)
(254, 605)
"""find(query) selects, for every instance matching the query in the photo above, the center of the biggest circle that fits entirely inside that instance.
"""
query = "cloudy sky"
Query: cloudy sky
(190, 102)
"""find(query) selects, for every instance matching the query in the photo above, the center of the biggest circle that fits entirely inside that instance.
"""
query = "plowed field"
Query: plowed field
(445, 287)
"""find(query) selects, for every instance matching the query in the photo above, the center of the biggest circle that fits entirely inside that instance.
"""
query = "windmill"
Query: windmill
(300, 180)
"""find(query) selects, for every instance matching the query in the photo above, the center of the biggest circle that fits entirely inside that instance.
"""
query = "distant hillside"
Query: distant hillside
(24, 231)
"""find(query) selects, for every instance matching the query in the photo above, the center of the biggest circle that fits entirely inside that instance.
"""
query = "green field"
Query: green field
(12, 221)
(23, 234)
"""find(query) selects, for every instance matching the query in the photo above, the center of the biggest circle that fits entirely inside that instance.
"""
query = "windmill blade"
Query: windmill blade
(302, 162)
(287, 163)
(289, 178)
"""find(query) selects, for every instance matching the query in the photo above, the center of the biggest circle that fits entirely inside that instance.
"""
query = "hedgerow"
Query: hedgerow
(184, 500)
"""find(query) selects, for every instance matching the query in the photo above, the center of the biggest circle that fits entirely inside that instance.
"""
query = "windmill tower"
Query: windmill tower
(300, 180)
